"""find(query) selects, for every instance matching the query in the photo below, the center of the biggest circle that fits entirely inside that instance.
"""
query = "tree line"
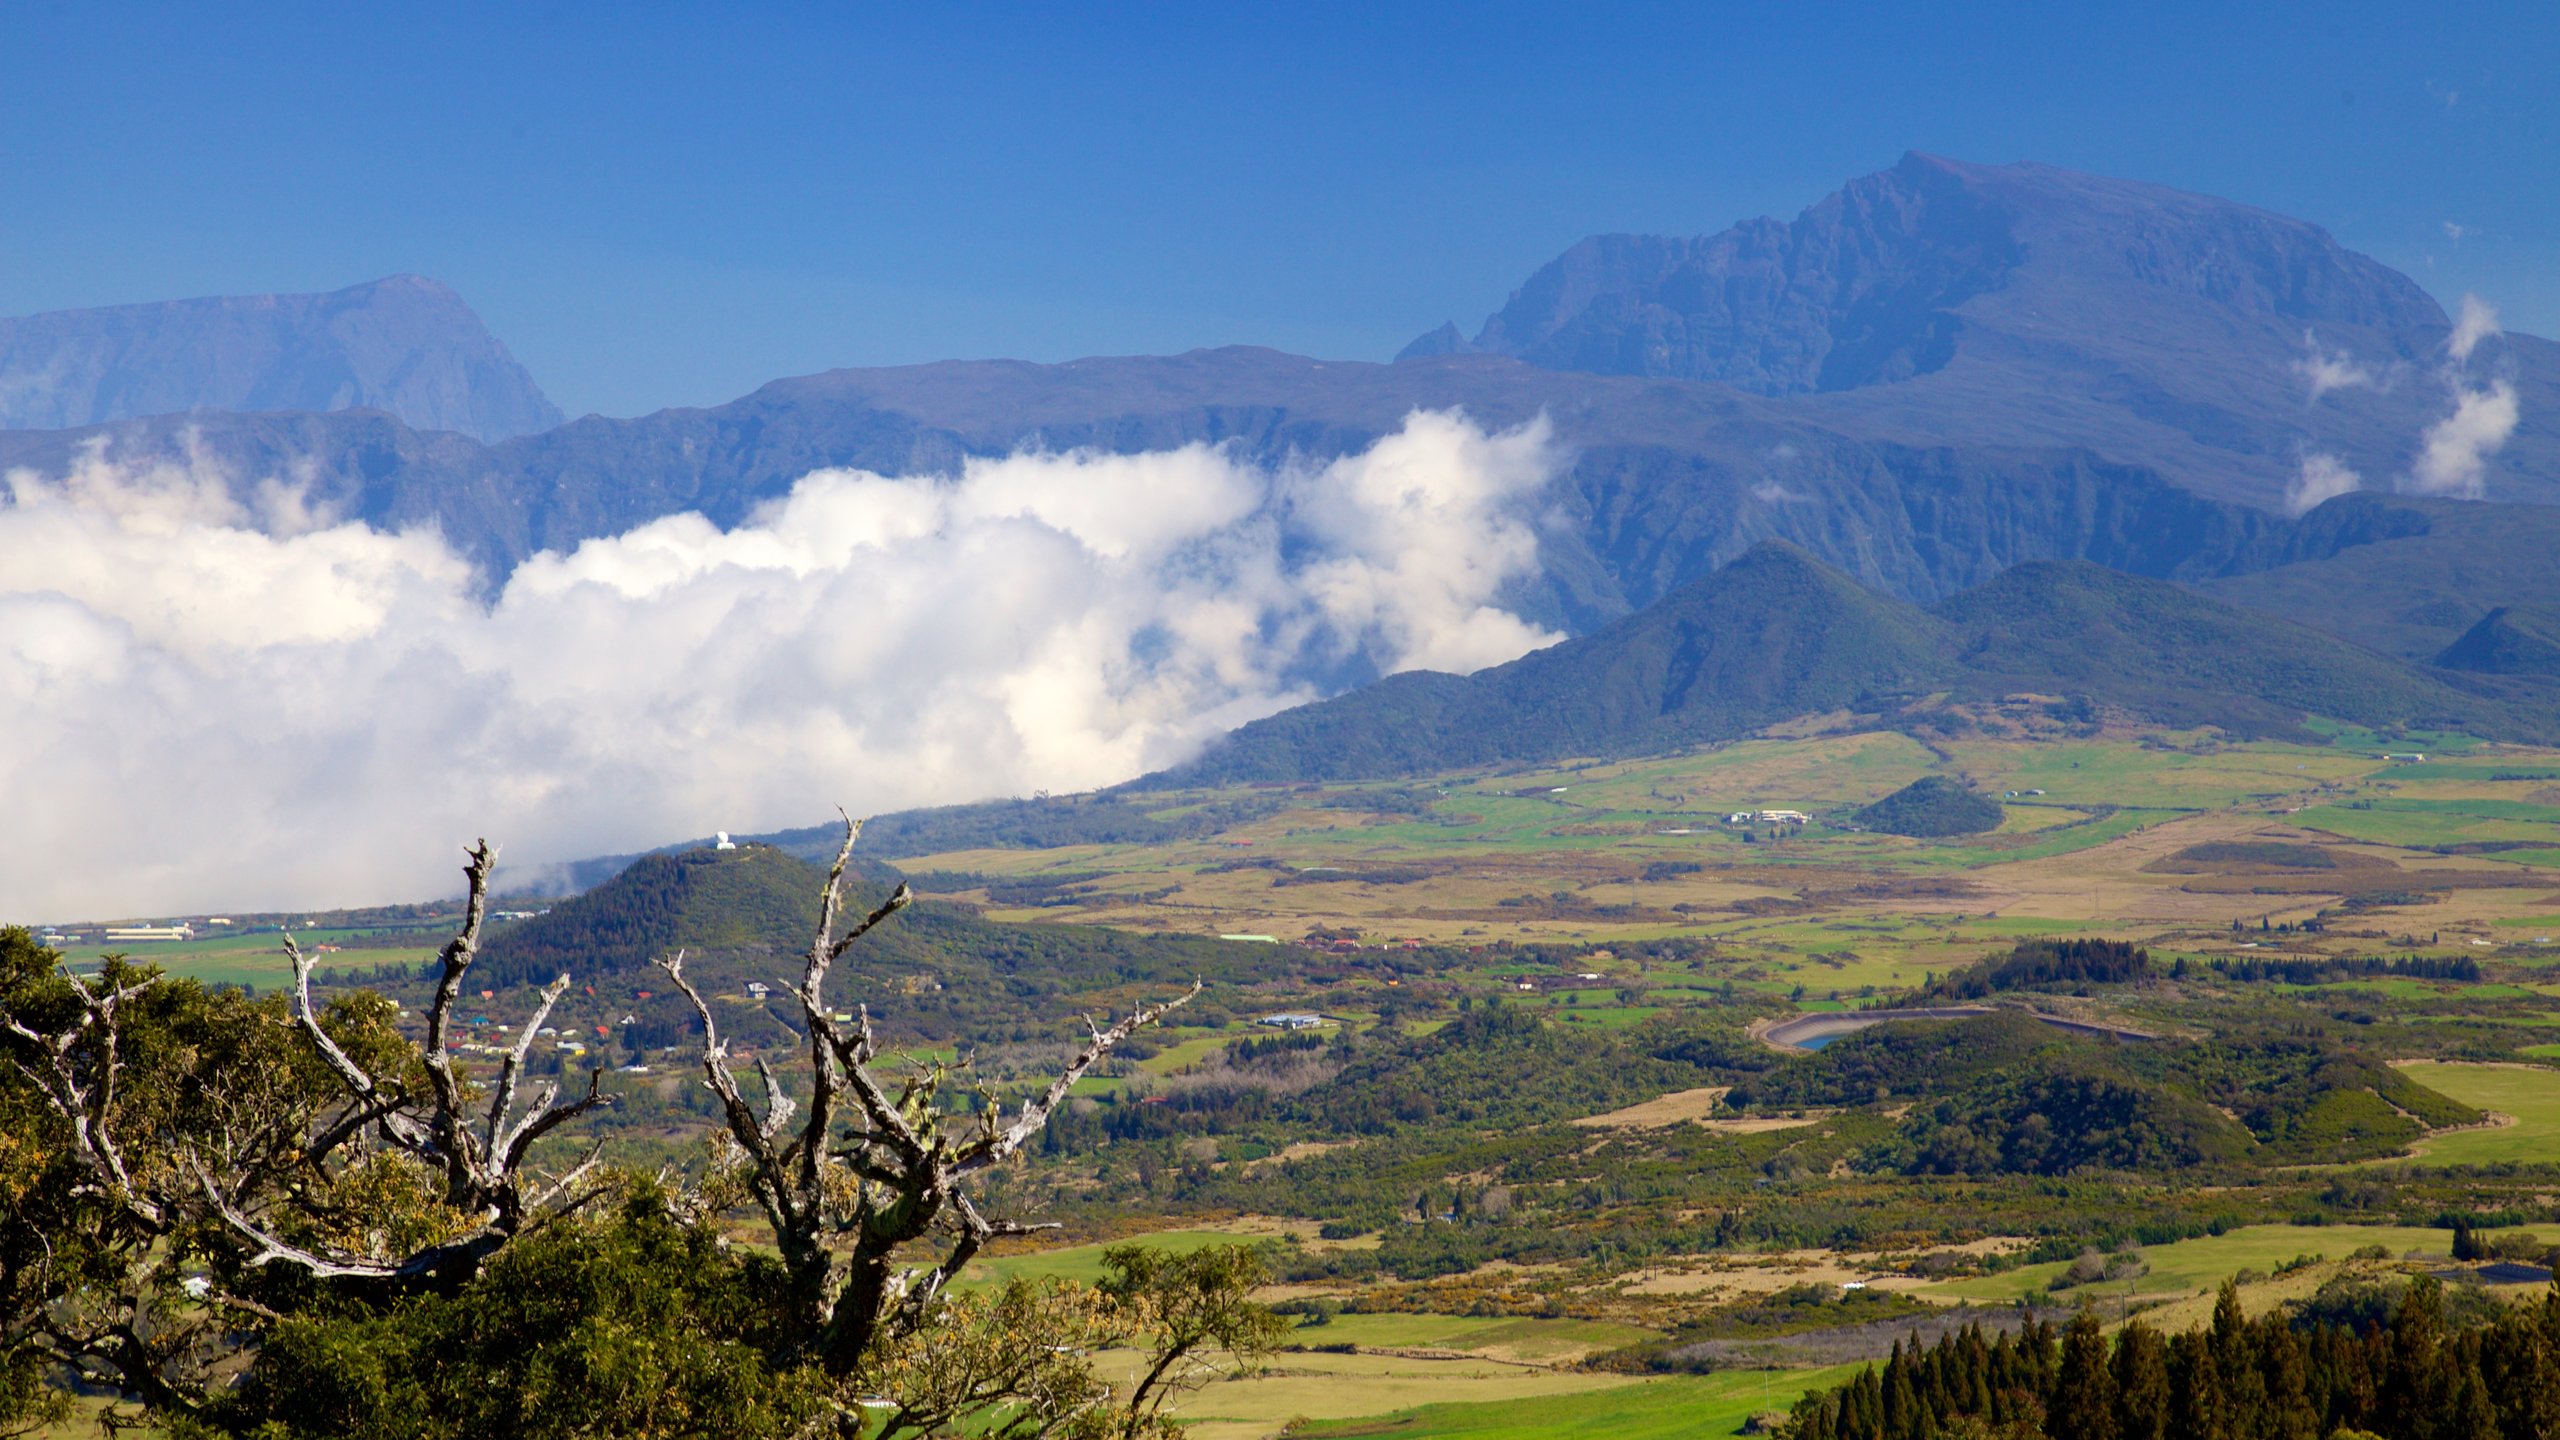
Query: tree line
(2402, 1371)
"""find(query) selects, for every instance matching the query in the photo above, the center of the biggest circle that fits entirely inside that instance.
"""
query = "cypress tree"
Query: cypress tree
(2142, 1384)
(2235, 1361)
(2198, 1408)
(2083, 1406)
(2473, 1416)
(2285, 1380)
(2417, 1389)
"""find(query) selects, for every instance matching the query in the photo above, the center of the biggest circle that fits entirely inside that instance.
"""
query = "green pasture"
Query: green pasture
(1189, 1047)
(2189, 1267)
(1345, 1387)
(1084, 1262)
(1675, 1407)
(2477, 772)
(2047, 843)
(2416, 823)
(252, 960)
(1518, 1338)
(2348, 736)
(1749, 774)
(2112, 772)
(2529, 1095)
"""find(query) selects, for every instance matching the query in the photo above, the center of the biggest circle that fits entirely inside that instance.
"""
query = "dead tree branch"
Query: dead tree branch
(865, 1170)
(480, 1154)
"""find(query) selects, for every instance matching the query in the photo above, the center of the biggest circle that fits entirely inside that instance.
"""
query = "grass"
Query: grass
(252, 960)
(2531, 1096)
(1504, 1336)
(1351, 1387)
(1084, 1262)
(2419, 823)
(2198, 1266)
(1670, 1408)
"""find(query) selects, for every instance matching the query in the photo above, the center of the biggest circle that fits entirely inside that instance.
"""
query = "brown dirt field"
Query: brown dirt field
(1688, 1107)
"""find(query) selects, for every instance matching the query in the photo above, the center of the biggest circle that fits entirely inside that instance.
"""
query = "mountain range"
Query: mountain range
(1929, 379)
(405, 346)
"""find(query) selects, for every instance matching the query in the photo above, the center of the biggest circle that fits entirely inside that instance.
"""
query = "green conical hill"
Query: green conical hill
(748, 914)
(2510, 640)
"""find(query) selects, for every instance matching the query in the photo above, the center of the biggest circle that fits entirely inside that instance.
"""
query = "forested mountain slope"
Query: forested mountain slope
(1779, 635)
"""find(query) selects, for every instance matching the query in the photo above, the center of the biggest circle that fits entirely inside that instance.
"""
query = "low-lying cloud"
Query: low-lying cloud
(2477, 322)
(2320, 477)
(2453, 454)
(2324, 370)
(217, 703)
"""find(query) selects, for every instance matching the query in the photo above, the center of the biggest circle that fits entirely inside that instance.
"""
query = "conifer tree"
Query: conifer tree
(2083, 1406)
(2142, 1384)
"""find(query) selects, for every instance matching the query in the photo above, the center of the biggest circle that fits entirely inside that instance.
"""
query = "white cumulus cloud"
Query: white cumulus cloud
(2324, 370)
(2453, 454)
(205, 703)
(2477, 322)
(2320, 477)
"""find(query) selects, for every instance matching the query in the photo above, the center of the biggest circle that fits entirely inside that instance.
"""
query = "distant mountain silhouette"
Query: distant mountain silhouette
(1778, 635)
(406, 346)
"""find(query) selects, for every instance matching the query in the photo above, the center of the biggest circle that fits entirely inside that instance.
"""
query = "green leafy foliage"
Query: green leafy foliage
(2046, 964)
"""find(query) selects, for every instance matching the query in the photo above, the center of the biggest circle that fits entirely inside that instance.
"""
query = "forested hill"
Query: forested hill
(1778, 635)
(748, 914)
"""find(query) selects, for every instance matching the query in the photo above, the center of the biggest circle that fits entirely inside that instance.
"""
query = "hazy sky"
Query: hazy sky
(658, 205)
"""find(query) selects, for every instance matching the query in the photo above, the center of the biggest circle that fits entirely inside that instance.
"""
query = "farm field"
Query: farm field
(2189, 1268)
(1668, 1408)
(253, 960)
(2527, 1098)
(1640, 851)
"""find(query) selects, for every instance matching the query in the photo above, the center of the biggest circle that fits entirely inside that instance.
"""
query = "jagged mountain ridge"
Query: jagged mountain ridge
(1880, 280)
(1998, 304)
(405, 345)
(2158, 443)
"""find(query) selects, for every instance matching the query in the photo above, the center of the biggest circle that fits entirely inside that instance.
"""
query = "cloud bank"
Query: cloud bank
(210, 703)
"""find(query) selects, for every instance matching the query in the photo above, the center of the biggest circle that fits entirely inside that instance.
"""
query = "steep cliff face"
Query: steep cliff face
(405, 345)
(1939, 302)
(1898, 273)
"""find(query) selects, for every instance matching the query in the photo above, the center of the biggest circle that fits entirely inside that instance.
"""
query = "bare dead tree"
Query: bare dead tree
(77, 1075)
(481, 1154)
(866, 1168)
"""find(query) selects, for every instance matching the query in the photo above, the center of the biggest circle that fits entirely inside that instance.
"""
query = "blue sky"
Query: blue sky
(658, 205)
